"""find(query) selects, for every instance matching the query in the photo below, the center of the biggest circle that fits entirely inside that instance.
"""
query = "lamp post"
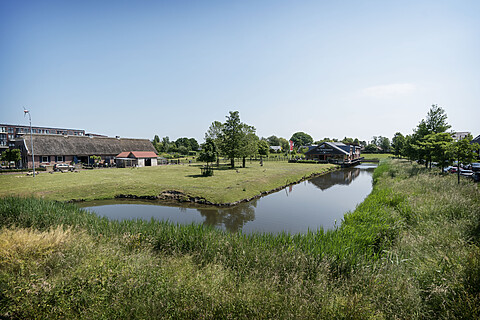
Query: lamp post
(25, 111)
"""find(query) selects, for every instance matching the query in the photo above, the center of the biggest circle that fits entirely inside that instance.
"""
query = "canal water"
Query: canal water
(319, 202)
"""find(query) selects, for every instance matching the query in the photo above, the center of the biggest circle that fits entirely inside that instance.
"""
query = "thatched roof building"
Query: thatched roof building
(49, 149)
(84, 146)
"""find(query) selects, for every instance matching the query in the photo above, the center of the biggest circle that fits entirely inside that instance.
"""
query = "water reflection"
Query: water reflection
(342, 177)
(232, 219)
(318, 203)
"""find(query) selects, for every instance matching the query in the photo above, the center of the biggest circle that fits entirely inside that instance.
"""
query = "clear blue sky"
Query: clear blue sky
(328, 68)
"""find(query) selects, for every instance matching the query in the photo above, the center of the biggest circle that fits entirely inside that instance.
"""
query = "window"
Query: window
(45, 159)
(60, 159)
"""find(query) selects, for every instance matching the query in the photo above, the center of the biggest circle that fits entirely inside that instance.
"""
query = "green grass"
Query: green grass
(377, 156)
(225, 186)
(409, 251)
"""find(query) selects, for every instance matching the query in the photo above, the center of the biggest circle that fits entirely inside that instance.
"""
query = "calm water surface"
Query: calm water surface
(318, 202)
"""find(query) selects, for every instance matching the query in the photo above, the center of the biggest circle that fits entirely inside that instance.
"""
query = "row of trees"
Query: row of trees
(181, 145)
(430, 142)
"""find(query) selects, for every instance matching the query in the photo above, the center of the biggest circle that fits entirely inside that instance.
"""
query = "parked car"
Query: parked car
(476, 176)
(63, 167)
(452, 169)
(476, 166)
(466, 173)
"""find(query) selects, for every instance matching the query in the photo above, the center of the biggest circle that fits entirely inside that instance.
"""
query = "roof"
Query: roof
(330, 147)
(137, 154)
(476, 140)
(84, 146)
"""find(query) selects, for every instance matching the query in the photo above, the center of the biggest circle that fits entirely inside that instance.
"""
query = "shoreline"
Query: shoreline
(169, 196)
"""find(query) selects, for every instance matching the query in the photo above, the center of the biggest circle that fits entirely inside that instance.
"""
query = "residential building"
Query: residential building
(50, 149)
(9, 132)
(460, 135)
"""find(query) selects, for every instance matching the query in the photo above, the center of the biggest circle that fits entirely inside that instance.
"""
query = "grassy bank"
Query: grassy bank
(225, 186)
(377, 156)
(410, 250)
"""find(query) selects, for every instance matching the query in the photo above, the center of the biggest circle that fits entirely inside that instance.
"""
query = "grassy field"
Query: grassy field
(409, 251)
(377, 156)
(225, 186)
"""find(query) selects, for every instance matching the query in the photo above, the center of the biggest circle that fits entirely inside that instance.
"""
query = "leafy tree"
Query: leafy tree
(182, 150)
(385, 144)
(371, 148)
(214, 132)
(436, 120)
(236, 138)
(166, 144)
(381, 142)
(284, 144)
(183, 142)
(436, 146)
(301, 139)
(347, 140)
(249, 144)
(263, 148)
(464, 151)
(409, 151)
(273, 141)
(10, 155)
(398, 143)
(193, 144)
(209, 151)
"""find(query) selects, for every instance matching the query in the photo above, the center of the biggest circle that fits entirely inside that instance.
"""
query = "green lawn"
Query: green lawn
(225, 186)
(379, 156)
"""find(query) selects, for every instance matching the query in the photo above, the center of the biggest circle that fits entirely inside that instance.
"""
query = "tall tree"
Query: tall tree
(236, 138)
(249, 144)
(273, 141)
(301, 139)
(209, 151)
(284, 144)
(166, 144)
(436, 121)
(464, 151)
(214, 132)
(193, 144)
(436, 146)
(398, 143)
(263, 148)
(11, 155)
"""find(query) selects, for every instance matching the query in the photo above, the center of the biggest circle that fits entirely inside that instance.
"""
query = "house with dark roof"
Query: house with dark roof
(53, 149)
(334, 152)
(136, 159)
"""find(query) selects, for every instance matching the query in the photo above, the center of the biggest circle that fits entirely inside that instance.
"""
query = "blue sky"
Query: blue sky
(328, 68)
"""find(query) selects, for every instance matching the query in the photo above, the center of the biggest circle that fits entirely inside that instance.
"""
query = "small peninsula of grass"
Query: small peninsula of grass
(226, 186)
(409, 251)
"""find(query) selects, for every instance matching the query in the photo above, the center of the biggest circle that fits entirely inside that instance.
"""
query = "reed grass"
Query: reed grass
(410, 250)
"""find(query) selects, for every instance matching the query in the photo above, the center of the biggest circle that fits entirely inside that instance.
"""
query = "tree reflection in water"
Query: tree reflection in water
(233, 218)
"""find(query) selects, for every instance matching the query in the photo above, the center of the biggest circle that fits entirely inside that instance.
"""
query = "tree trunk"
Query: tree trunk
(243, 162)
(232, 162)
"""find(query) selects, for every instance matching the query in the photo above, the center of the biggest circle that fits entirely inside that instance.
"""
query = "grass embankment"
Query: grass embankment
(376, 156)
(410, 250)
(225, 186)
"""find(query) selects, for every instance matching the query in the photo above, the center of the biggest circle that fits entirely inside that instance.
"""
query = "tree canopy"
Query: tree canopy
(301, 139)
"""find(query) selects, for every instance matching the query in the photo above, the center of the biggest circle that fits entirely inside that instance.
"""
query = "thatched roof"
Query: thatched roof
(84, 146)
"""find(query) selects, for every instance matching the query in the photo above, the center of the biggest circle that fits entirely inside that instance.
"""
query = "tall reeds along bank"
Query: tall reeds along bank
(410, 250)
